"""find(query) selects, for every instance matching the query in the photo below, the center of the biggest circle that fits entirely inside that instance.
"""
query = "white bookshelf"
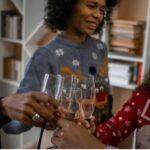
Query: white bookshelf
(8, 45)
(19, 5)
(31, 12)
(128, 11)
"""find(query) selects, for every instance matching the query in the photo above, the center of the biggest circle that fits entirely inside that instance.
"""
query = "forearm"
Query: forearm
(116, 129)
(95, 144)
(14, 127)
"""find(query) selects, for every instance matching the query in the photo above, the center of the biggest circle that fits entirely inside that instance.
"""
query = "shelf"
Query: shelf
(11, 82)
(34, 13)
(18, 5)
(30, 48)
(126, 86)
(113, 55)
(32, 37)
(12, 40)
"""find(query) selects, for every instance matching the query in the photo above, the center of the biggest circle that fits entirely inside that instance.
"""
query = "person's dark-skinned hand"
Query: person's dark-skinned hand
(23, 107)
(72, 135)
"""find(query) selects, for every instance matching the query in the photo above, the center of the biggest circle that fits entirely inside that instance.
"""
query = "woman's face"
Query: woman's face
(87, 16)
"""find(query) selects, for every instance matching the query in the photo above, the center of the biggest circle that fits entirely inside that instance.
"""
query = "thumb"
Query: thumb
(63, 123)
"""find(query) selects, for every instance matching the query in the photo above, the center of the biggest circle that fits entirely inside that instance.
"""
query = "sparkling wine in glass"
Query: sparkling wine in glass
(52, 85)
(70, 94)
(87, 86)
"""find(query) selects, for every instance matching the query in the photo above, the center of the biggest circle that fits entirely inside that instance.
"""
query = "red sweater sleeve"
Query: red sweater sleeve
(119, 126)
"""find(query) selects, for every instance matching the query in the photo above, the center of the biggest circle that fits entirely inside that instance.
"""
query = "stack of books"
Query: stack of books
(11, 25)
(124, 72)
(127, 36)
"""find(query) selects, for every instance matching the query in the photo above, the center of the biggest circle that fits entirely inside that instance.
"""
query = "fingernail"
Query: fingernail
(87, 126)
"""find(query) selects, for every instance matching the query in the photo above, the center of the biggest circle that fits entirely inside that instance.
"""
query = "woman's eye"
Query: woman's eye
(103, 10)
(91, 5)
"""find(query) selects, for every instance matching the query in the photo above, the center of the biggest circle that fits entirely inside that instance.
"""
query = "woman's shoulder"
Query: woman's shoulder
(46, 49)
(141, 94)
(142, 90)
(98, 44)
(96, 40)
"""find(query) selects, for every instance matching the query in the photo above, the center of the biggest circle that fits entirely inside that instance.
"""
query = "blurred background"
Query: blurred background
(22, 31)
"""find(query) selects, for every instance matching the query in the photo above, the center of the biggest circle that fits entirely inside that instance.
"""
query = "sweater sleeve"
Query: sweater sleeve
(116, 129)
(3, 119)
(38, 65)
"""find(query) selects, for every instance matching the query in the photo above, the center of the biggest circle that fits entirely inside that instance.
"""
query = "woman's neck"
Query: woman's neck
(80, 38)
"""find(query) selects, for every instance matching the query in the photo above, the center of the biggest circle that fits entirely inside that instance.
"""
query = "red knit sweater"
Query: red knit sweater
(135, 113)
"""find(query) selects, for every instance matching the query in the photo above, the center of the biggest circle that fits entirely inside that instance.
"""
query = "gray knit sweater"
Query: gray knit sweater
(63, 56)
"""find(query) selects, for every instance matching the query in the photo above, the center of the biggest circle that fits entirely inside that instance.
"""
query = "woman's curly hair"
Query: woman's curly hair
(58, 12)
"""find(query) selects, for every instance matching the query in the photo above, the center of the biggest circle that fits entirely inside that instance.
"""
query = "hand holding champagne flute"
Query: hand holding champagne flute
(53, 86)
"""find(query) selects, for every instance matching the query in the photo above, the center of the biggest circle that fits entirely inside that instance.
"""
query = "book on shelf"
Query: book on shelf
(129, 22)
(12, 69)
(125, 35)
(127, 78)
(131, 72)
(119, 73)
(122, 31)
(124, 42)
(11, 25)
(120, 65)
(5, 13)
(135, 73)
(125, 27)
(139, 76)
(116, 80)
(123, 49)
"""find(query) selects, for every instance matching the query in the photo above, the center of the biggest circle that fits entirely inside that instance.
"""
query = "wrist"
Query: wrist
(3, 116)
(1, 105)
(2, 109)
(96, 143)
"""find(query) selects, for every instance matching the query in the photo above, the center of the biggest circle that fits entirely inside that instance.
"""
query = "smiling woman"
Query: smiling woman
(74, 51)
(59, 13)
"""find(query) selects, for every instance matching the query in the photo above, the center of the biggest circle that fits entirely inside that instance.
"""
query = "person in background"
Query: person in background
(26, 108)
(135, 114)
(73, 50)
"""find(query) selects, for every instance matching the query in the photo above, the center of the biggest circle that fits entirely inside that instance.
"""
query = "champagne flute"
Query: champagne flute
(53, 86)
(69, 105)
(68, 92)
(87, 86)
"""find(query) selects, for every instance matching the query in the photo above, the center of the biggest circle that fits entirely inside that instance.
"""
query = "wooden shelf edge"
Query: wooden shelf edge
(11, 82)
(125, 58)
(125, 86)
(11, 40)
